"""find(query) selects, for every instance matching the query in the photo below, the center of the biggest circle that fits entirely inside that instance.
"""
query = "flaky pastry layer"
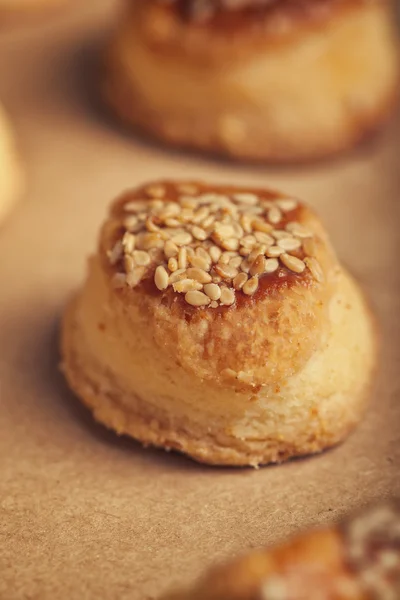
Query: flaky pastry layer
(133, 386)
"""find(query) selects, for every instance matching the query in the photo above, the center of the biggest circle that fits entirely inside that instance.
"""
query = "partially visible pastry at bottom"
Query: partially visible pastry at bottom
(11, 178)
(217, 321)
(357, 560)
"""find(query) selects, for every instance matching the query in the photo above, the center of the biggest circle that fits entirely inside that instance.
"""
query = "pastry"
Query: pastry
(357, 560)
(10, 171)
(264, 80)
(217, 321)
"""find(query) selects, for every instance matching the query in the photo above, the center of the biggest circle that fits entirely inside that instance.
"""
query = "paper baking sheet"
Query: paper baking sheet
(84, 514)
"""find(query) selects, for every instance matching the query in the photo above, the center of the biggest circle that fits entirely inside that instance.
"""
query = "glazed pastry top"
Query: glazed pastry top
(213, 246)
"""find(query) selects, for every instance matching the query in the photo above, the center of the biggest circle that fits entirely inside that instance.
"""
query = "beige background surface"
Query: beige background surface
(84, 514)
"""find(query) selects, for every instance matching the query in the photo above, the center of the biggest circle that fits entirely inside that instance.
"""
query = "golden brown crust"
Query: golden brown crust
(316, 565)
(248, 77)
(106, 398)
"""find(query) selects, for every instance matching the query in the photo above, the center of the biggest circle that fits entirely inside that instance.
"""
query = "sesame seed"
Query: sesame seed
(239, 281)
(136, 206)
(227, 296)
(128, 242)
(151, 226)
(245, 266)
(141, 258)
(208, 221)
(201, 214)
(182, 239)
(274, 215)
(249, 241)
(197, 298)
(291, 262)
(263, 238)
(251, 286)
(215, 253)
(132, 224)
(182, 258)
(213, 291)
(226, 271)
(235, 262)
(260, 225)
(187, 285)
(172, 264)
(258, 266)
(256, 252)
(199, 275)
(315, 268)
(149, 240)
(245, 198)
(115, 254)
(271, 265)
(177, 275)
(200, 262)
(198, 233)
(287, 204)
(170, 249)
(129, 263)
(289, 244)
(171, 222)
(274, 251)
(188, 202)
(134, 277)
(161, 278)
(298, 230)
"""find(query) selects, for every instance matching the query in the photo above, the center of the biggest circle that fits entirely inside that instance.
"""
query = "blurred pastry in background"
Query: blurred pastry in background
(10, 170)
(264, 80)
(358, 559)
(217, 321)
(11, 6)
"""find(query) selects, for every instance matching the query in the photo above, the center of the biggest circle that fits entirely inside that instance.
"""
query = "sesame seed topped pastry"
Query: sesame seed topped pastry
(217, 321)
(266, 80)
(357, 560)
(10, 170)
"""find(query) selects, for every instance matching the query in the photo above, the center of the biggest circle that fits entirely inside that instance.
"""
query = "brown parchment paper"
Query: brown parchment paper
(84, 514)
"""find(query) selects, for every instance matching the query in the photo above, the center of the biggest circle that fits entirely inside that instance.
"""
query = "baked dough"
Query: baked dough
(10, 172)
(277, 80)
(272, 360)
(357, 560)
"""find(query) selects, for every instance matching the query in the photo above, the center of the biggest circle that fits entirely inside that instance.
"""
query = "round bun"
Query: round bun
(10, 172)
(276, 80)
(217, 321)
(359, 560)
